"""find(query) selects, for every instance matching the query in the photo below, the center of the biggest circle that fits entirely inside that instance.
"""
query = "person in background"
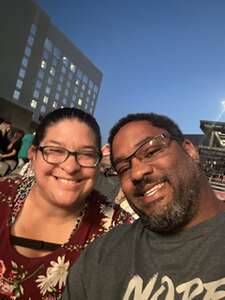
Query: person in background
(107, 180)
(175, 250)
(9, 158)
(23, 152)
(46, 220)
(6, 132)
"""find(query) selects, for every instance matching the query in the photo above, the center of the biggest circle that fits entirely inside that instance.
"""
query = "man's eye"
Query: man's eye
(123, 168)
(152, 151)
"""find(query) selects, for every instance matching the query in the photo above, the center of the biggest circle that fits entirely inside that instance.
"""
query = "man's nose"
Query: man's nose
(139, 169)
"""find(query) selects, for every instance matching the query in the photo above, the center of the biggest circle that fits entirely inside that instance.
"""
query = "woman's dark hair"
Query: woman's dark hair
(62, 114)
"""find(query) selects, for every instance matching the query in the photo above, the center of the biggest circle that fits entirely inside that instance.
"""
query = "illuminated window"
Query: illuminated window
(33, 103)
(65, 61)
(45, 99)
(43, 64)
(77, 82)
(73, 68)
(83, 86)
(54, 105)
(52, 71)
(79, 102)
(16, 95)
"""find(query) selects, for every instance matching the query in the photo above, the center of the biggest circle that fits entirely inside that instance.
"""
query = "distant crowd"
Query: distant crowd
(14, 145)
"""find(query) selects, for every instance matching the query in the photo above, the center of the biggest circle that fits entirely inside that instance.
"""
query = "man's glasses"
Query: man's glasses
(149, 150)
(57, 155)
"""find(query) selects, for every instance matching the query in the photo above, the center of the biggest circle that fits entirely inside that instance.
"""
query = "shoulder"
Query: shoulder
(110, 210)
(117, 240)
(8, 188)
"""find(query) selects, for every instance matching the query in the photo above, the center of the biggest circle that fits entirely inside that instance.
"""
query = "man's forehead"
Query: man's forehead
(132, 135)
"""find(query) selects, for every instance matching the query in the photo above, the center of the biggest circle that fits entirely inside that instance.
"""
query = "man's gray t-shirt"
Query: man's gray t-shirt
(133, 263)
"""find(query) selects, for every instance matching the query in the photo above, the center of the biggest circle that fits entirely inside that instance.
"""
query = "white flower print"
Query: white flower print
(56, 274)
(108, 212)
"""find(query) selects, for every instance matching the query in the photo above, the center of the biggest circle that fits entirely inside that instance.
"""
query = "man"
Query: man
(176, 249)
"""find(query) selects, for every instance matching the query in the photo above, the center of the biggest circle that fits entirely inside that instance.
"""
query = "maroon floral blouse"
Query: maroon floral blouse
(44, 277)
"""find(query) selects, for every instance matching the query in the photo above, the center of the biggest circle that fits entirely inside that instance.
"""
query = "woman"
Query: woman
(45, 222)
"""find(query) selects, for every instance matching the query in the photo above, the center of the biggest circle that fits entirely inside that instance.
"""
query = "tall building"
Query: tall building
(40, 68)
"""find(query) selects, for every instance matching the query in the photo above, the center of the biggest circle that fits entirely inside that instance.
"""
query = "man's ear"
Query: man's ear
(190, 149)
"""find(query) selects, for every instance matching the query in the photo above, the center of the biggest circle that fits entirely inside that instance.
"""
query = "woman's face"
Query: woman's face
(65, 185)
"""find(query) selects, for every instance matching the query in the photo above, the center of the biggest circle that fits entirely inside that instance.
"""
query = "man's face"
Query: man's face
(164, 187)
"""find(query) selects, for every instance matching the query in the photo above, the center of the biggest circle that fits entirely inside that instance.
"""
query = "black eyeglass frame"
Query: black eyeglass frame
(164, 135)
(73, 153)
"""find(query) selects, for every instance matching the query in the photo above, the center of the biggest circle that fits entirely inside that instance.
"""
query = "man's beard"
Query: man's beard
(185, 200)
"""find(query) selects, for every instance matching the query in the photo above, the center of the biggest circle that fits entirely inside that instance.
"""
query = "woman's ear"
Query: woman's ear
(190, 149)
(31, 153)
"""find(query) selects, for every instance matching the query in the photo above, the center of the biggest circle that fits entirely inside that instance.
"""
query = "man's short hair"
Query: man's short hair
(156, 120)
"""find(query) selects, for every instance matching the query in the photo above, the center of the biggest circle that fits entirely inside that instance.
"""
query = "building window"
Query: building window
(57, 53)
(27, 51)
(54, 105)
(50, 80)
(63, 70)
(22, 73)
(19, 83)
(61, 78)
(33, 103)
(54, 61)
(24, 62)
(43, 64)
(79, 102)
(79, 73)
(45, 99)
(41, 74)
(38, 84)
(73, 68)
(77, 82)
(70, 76)
(91, 84)
(85, 79)
(66, 92)
(74, 97)
(59, 87)
(30, 40)
(95, 88)
(65, 61)
(64, 101)
(45, 55)
(43, 109)
(16, 95)
(76, 89)
(68, 84)
(56, 96)
(36, 94)
(33, 29)
(82, 94)
(52, 71)
(48, 45)
(89, 92)
(83, 87)
(48, 90)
